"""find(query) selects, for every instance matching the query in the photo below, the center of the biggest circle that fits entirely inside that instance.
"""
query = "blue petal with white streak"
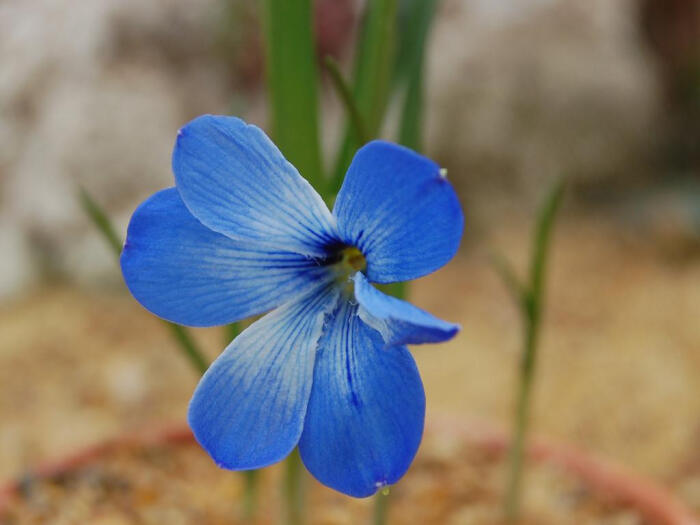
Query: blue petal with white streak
(186, 273)
(365, 416)
(248, 409)
(398, 208)
(236, 182)
(399, 322)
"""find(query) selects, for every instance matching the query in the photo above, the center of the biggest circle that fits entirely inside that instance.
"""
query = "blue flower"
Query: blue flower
(327, 369)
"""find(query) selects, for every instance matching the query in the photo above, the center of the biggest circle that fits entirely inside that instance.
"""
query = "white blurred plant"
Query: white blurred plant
(90, 95)
(92, 92)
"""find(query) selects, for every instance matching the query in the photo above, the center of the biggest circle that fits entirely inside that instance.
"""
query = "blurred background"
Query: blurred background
(517, 93)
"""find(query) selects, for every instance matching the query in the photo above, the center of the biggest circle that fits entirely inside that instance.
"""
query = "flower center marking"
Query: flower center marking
(353, 260)
(349, 261)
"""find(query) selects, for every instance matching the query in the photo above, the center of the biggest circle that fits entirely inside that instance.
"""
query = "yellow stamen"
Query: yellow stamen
(353, 259)
(350, 262)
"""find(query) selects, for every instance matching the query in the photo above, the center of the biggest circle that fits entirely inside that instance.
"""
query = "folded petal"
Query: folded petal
(400, 211)
(186, 273)
(236, 182)
(365, 416)
(399, 322)
(248, 409)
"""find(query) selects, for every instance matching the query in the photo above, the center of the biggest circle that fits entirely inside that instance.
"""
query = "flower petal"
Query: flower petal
(248, 409)
(399, 322)
(397, 208)
(184, 272)
(365, 416)
(236, 182)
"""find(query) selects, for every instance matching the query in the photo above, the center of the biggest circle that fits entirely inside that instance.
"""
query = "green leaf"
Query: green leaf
(372, 79)
(375, 61)
(351, 110)
(415, 18)
(231, 331)
(543, 232)
(530, 309)
(104, 225)
(188, 347)
(519, 293)
(292, 80)
(101, 221)
(398, 290)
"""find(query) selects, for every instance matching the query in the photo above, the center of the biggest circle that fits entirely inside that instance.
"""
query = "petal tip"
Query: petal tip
(452, 331)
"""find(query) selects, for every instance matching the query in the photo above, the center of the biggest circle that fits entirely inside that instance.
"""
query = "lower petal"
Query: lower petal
(248, 409)
(365, 416)
(399, 322)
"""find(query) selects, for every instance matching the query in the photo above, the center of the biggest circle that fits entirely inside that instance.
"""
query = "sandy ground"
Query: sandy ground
(451, 482)
(619, 374)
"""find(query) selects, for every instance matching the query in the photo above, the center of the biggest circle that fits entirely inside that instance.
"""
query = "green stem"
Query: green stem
(104, 225)
(250, 495)
(531, 309)
(522, 417)
(293, 489)
(101, 220)
(398, 290)
(507, 274)
(231, 332)
(351, 109)
(381, 507)
(188, 347)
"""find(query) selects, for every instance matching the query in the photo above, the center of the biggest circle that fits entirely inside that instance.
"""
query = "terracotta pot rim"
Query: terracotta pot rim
(603, 476)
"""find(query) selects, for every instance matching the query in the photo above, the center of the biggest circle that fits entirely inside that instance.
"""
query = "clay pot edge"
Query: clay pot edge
(603, 476)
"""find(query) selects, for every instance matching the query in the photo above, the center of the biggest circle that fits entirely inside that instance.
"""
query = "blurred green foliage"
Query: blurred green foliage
(292, 84)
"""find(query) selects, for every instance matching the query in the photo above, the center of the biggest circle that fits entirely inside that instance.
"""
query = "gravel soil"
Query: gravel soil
(619, 372)
(451, 482)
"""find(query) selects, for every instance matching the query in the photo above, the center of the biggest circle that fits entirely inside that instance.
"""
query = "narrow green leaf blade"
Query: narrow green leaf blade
(101, 221)
(188, 347)
(351, 110)
(104, 225)
(372, 79)
(292, 79)
(375, 62)
(415, 19)
(505, 271)
(543, 232)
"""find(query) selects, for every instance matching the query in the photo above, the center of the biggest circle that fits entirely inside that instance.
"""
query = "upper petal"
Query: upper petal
(398, 209)
(186, 273)
(248, 409)
(236, 182)
(399, 322)
(365, 416)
